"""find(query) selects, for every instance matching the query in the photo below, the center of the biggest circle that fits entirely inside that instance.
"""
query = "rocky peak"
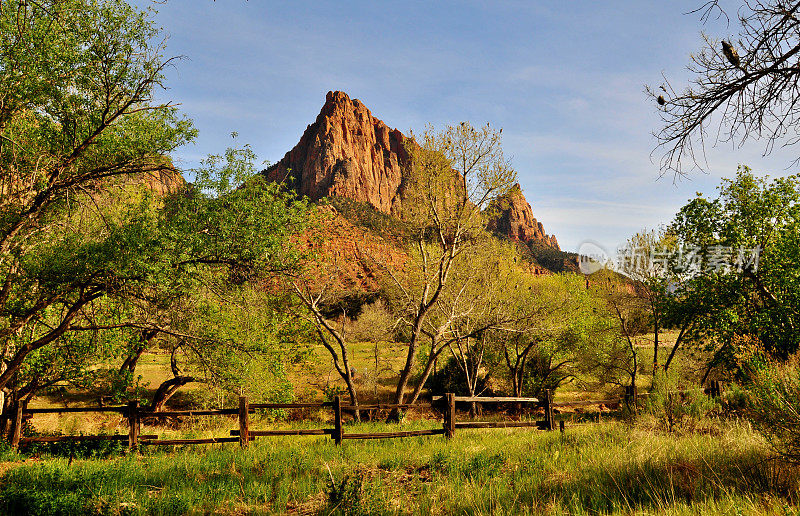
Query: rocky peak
(346, 152)
(513, 217)
(349, 153)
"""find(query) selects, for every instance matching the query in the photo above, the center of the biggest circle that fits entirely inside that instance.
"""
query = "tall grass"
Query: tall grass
(594, 469)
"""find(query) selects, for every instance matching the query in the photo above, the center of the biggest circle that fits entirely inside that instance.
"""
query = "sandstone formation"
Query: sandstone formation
(514, 218)
(346, 152)
(349, 153)
(346, 255)
(161, 182)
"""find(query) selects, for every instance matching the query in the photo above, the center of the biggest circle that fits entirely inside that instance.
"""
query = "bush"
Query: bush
(774, 405)
(450, 378)
(374, 323)
(678, 409)
(541, 374)
(76, 449)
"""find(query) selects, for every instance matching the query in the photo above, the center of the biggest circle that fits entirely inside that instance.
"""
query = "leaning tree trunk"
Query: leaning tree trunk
(145, 338)
(430, 367)
(169, 387)
(166, 390)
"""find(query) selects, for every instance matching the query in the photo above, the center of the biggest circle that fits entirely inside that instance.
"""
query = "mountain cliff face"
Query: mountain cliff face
(161, 182)
(513, 217)
(349, 153)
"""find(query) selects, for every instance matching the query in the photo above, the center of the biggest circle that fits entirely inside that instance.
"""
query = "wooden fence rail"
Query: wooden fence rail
(243, 434)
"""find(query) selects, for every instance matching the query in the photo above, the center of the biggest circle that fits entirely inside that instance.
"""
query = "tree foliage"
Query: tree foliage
(76, 109)
(453, 175)
(747, 296)
(559, 333)
(94, 265)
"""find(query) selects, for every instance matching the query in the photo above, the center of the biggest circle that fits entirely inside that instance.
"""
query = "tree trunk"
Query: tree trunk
(425, 305)
(678, 342)
(655, 347)
(473, 407)
(429, 367)
(351, 390)
(145, 338)
(166, 390)
(405, 375)
(12, 409)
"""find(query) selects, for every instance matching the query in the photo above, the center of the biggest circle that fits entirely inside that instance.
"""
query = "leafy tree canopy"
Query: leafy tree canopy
(749, 297)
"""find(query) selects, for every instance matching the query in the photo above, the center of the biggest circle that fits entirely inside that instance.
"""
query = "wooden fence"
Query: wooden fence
(243, 435)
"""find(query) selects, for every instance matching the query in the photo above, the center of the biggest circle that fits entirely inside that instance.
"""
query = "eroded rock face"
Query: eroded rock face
(349, 153)
(514, 218)
(162, 182)
(346, 152)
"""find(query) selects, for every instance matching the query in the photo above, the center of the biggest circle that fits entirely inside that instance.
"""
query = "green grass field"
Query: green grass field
(591, 469)
(718, 467)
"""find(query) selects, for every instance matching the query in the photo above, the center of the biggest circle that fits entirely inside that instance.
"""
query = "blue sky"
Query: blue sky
(564, 80)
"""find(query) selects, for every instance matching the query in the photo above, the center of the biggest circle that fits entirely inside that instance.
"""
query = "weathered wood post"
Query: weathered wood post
(561, 426)
(244, 422)
(717, 392)
(630, 397)
(337, 419)
(549, 420)
(16, 429)
(134, 425)
(449, 415)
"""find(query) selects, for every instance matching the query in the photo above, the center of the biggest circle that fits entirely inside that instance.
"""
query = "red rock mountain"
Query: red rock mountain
(347, 152)
(514, 217)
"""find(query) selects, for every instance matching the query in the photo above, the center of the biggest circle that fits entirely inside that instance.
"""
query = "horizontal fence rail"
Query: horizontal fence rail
(479, 399)
(67, 410)
(388, 435)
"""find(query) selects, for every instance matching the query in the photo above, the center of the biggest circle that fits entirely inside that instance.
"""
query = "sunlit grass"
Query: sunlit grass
(608, 468)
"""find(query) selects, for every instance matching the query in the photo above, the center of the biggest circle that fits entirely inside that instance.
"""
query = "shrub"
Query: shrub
(374, 323)
(774, 405)
(450, 378)
(678, 409)
(76, 449)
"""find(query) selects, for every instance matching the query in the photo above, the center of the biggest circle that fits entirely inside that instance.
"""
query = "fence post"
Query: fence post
(548, 410)
(561, 426)
(337, 419)
(16, 429)
(450, 415)
(134, 423)
(630, 397)
(244, 422)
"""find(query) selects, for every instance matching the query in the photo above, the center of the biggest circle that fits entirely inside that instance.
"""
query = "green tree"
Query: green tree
(753, 292)
(644, 259)
(78, 80)
(453, 175)
(84, 252)
(192, 273)
(560, 324)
